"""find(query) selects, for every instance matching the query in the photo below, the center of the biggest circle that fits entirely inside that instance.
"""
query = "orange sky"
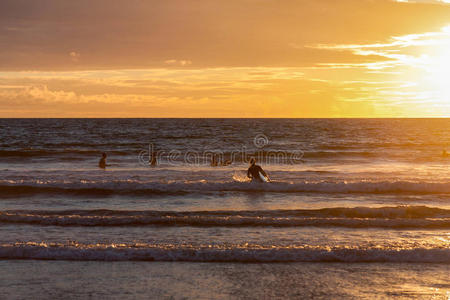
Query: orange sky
(207, 58)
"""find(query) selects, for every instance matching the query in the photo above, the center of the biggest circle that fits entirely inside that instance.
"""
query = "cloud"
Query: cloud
(323, 91)
(397, 50)
(231, 92)
(419, 60)
(34, 95)
(74, 56)
(178, 62)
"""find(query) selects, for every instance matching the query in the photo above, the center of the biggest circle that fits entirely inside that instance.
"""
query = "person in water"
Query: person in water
(254, 170)
(153, 162)
(102, 163)
(226, 162)
(214, 162)
(445, 154)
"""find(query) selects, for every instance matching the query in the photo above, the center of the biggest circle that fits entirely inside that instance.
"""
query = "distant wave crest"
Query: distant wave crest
(358, 217)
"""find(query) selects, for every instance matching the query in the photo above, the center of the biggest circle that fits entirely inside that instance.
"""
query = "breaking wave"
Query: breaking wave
(135, 187)
(359, 217)
(243, 254)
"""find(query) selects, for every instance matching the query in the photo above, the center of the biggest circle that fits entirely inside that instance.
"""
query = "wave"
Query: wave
(242, 254)
(33, 153)
(266, 156)
(359, 217)
(136, 187)
(342, 154)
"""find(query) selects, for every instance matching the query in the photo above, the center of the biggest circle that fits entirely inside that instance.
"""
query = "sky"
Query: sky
(216, 58)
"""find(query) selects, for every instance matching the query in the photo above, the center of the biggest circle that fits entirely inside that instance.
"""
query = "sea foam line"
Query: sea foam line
(113, 252)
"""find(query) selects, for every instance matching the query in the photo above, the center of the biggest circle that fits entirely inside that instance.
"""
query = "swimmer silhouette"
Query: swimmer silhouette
(153, 162)
(214, 162)
(102, 163)
(226, 162)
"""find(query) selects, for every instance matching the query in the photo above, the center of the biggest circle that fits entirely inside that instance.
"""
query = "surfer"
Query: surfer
(445, 154)
(102, 162)
(254, 172)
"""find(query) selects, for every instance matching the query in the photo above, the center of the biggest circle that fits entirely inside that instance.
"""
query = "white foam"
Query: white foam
(123, 252)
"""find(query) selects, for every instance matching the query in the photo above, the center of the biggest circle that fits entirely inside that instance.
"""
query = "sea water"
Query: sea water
(355, 208)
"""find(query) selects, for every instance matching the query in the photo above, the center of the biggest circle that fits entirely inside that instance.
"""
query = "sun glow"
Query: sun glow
(437, 67)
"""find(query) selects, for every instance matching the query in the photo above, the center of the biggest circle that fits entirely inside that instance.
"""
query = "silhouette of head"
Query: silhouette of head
(104, 155)
(252, 161)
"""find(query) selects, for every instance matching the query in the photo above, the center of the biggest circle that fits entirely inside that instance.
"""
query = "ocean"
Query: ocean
(355, 208)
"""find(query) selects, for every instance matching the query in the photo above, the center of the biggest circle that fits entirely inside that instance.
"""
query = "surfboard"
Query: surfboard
(263, 178)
